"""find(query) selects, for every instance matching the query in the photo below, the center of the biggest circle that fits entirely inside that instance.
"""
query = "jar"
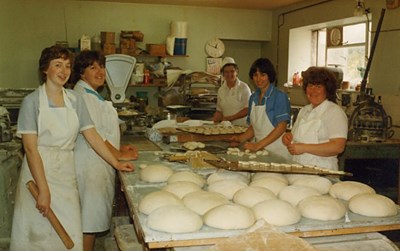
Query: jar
(142, 99)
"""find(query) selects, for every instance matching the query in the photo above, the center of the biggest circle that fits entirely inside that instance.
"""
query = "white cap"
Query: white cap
(227, 60)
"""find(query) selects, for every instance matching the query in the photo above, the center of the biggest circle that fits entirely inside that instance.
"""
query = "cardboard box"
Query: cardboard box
(127, 43)
(156, 49)
(109, 48)
(107, 37)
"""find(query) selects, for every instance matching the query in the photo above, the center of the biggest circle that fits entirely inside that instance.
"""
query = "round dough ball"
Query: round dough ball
(225, 175)
(187, 176)
(181, 188)
(293, 177)
(250, 196)
(294, 193)
(229, 217)
(277, 212)
(321, 184)
(345, 190)
(157, 199)
(155, 173)
(202, 201)
(372, 205)
(166, 218)
(227, 187)
(278, 176)
(322, 207)
(271, 183)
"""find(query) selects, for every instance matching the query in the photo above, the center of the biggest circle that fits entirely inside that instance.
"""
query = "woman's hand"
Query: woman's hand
(43, 203)
(287, 138)
(125, 166)
(295, 149)
(252, 147)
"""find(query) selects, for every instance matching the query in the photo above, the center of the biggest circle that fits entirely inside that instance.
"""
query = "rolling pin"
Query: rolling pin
(62, 233)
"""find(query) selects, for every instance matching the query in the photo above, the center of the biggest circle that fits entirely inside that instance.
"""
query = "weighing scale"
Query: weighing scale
(119, 70)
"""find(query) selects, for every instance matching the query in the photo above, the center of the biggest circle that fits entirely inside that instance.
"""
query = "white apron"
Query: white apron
(96, 178)
(262, 127)
(307, 132)
(57, 131)
(231, 106)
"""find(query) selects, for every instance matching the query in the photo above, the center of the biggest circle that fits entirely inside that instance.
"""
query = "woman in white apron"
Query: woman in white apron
(95, 176)
(233, 96)
(269, 112)
(320, 131)
(49, 121)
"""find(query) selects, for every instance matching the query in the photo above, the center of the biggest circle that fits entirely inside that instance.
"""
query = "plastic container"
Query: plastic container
(180, 46)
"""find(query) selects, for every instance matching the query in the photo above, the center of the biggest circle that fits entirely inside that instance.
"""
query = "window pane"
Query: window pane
(353, 34)
(350, 59)
(321, 47)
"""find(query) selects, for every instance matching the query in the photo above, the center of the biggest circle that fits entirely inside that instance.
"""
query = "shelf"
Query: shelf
(164, 56)
(148, 85)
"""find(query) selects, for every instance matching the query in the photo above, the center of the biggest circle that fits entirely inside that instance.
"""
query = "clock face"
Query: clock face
(215, 48)
(335, 36)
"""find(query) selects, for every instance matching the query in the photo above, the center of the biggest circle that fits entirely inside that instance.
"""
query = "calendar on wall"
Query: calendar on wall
(213, 65)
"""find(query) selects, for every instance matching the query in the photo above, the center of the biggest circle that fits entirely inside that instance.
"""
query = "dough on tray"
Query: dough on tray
(229, 216)
(227, 187)
(278, 176)
(271, 183)
(345, 190)
(250, 196)
(174, 219)
(222, 174)
(372, 205)
(295, 193)
(155, 173)
(319, 183)
(202, 201)
(157, 199)
(187, 176)
(181, 188)
(322, 207)
(277, 212)
(192, 145)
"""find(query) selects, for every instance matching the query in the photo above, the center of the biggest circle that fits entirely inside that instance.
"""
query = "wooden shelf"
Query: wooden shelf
(148, 85)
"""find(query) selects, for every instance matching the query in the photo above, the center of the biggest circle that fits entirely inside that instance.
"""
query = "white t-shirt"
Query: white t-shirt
(231, 100)
(333, 120)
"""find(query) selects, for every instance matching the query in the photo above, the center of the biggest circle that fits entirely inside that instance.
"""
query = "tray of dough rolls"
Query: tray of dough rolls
(213, 129)
(258, 166)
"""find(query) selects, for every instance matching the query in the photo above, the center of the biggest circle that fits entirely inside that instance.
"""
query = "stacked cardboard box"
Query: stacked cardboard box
(108, 42)
(127, 43)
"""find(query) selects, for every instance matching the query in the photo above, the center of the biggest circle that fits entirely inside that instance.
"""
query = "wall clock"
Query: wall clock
(215, 48)
(334, 36)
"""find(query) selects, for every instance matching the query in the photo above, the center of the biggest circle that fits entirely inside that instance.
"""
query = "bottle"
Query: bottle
(146, 79)
(296, 79)
(84, 43)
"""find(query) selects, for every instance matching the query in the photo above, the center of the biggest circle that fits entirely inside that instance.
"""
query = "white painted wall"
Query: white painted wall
(29, 26)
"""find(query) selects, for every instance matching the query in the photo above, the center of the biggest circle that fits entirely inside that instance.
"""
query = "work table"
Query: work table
(135, 189)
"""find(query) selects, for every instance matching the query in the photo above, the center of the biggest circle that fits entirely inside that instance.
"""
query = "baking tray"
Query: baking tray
(255, 166)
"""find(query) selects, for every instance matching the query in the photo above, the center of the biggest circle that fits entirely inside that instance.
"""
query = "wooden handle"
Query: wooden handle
(58, 227)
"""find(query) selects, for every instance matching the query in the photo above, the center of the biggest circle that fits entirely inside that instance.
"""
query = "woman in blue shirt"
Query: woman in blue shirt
(269, 112)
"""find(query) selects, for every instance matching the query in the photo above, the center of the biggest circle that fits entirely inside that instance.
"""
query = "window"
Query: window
(350, 55)
(348, 49)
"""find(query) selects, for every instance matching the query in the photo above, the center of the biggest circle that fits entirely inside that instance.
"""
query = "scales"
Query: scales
(119, 70)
